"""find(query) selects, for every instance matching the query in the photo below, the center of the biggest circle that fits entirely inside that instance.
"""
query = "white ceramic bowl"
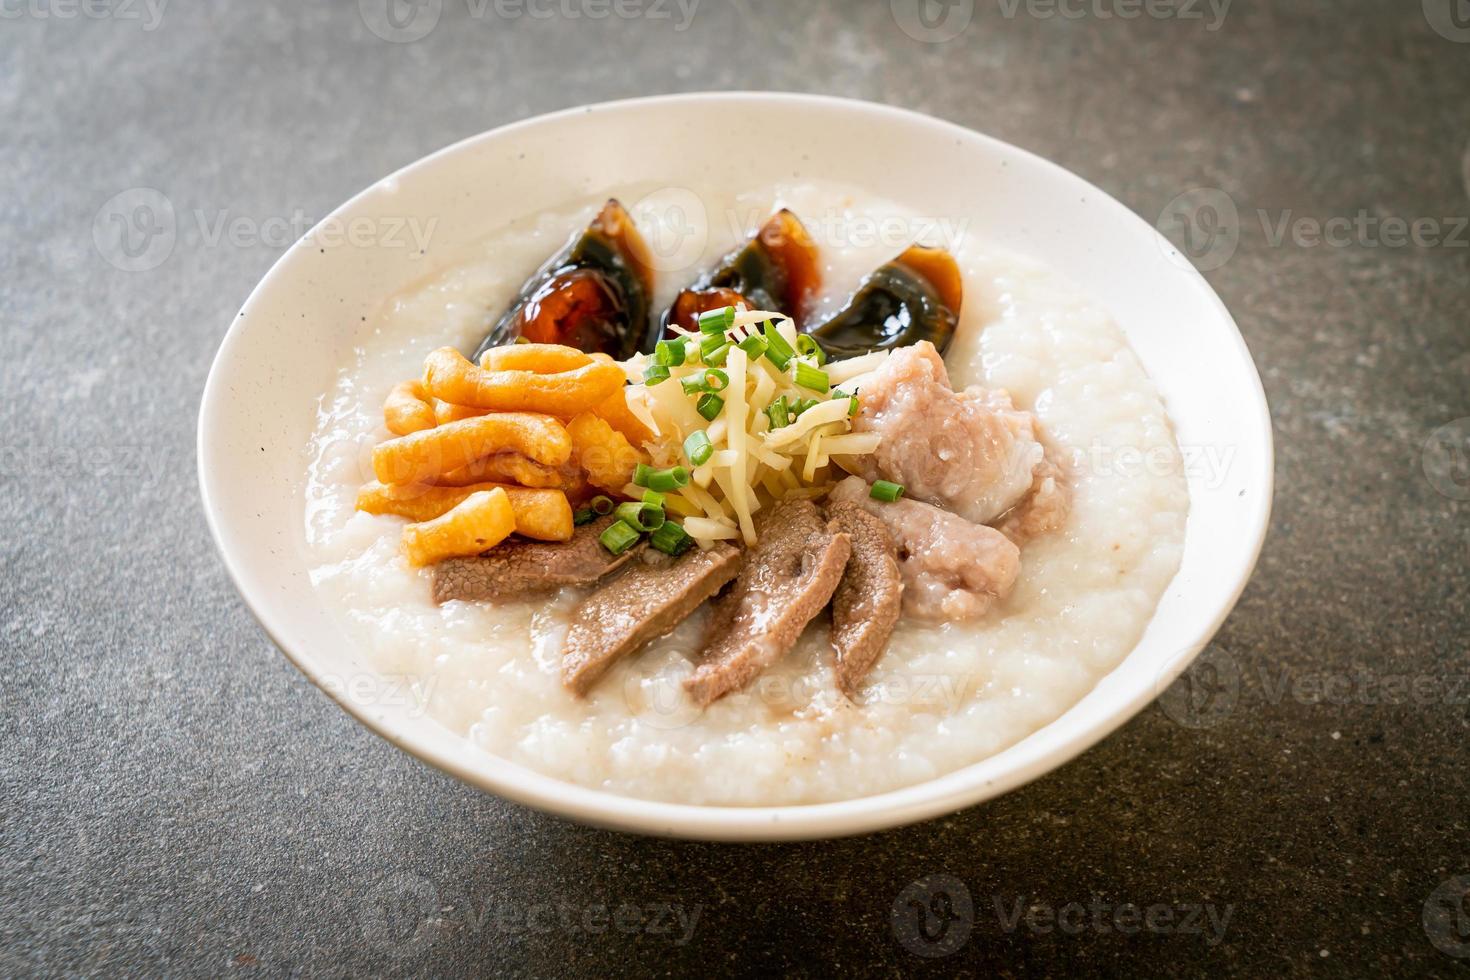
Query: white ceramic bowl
(293, 333)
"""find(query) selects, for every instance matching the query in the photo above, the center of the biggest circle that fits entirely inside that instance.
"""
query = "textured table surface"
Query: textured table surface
(176, 798)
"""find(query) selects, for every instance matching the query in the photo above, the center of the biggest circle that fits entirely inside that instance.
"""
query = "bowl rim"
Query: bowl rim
(943, 794)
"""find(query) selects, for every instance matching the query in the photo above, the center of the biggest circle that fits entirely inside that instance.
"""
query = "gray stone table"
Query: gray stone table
(175, 798)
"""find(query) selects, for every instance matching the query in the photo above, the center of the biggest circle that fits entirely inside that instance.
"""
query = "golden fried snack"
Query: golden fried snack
(537, 358)
(449, 376)
(445, 412)
(509, 468)
(614, 411)
(541, 514)
(553, 359)
(422, 456)
(604, 455)
(407, 409)
(480, 522)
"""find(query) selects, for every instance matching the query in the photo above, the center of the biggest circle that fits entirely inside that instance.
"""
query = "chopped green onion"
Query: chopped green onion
(754, 346)
(801, 405)
(671, 539)
(712, 380)
(852, 405)
(584, 516)
(653, 498)
(885, 491)
(655, 374)
(669, 353)
(709, 407)
(641, 516)
(661, 480)
(697, 447)
(779, 413)
(778, 351)
(717, 321)
(603, 504)
(807, 346)
(714, 349)
(618, 537)
(812, 379)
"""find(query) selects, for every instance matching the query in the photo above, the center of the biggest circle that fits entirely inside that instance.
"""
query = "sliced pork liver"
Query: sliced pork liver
(951, 569)
(653, 596)
(869, 598)
(788, 578)
(517, 568)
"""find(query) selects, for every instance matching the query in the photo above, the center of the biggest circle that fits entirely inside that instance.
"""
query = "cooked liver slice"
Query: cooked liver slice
(951, 569)
(653, 596)
(869, 598)
(517, 568)
(788, 578)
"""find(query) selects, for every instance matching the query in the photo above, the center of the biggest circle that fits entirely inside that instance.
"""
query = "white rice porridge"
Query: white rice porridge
(942, 697)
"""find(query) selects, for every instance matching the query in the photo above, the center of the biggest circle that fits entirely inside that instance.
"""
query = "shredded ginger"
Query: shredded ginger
(755, 458)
